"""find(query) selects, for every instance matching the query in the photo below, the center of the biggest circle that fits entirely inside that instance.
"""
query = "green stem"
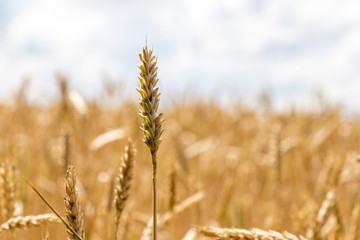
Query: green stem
(153, 156)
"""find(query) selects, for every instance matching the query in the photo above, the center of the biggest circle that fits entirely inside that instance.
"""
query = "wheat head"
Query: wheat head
(72, 206)
(149, 101)
(243, 234)
(123, 180)
(29, 221)
(8, 190)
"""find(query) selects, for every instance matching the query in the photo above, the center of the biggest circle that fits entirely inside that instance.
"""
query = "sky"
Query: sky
(223, 49)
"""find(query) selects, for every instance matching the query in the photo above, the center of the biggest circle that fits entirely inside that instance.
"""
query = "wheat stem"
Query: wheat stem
(154, 195)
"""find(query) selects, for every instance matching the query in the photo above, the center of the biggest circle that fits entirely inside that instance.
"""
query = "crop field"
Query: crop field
(219, 172)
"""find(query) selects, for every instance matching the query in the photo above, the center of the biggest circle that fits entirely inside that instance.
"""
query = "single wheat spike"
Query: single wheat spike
(326, 207)
(8, 190)
(325, 211)
(243, 234)
(29, 221)
(149, 101)
(52, 209)
(2, 194)
(152, 126)
(123, 182)
(72, 210)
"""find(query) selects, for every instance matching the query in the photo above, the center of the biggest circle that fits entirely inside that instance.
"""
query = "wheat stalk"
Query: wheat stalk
(123, 182)
(110, 192)
(29, 221)
(152, 126)
(243, 234)
(67, 150)
(172, 189)
(63, 84)
(72, 210)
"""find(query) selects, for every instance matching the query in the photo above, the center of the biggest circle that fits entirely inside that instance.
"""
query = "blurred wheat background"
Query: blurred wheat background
(260, 106)
(247, 169)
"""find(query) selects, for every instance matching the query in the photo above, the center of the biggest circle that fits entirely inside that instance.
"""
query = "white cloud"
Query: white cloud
(244, 44)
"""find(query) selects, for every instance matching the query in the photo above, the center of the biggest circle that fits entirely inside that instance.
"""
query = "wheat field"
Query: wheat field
(231, 172)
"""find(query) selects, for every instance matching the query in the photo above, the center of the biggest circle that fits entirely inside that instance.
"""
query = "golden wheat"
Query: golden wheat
(123, 182)
(72, 207)
(22, 222)
(8, 190)
(243, 234)
(268, 169)
(152, 126)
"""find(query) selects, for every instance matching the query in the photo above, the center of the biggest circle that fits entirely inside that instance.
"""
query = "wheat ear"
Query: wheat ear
(123, 180)
(29, 221)
(72, 206)
(8, 188)
(149, 101)
(52, 208)
(327, 208)
(243, 234)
